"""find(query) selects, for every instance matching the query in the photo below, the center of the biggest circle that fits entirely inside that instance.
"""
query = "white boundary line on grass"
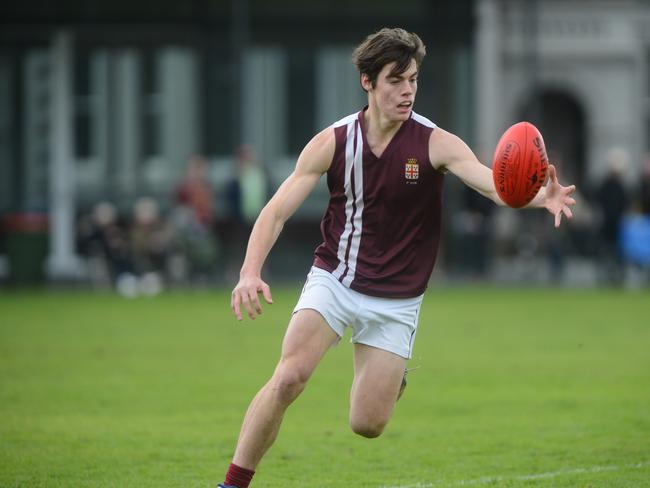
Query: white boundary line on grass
(486, 480)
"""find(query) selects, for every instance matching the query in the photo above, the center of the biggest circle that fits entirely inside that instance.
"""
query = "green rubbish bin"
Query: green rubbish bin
(26, 244)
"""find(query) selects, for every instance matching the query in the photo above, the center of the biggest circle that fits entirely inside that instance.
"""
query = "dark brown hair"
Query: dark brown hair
(387, 46)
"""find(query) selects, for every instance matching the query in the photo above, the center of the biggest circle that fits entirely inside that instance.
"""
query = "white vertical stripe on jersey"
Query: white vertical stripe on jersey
(358, 192)
(349, 162)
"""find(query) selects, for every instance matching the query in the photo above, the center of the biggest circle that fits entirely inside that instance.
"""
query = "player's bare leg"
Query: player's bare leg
(307, 339)
(378, 376)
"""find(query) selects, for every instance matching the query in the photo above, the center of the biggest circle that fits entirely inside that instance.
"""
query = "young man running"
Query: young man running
(385, 167)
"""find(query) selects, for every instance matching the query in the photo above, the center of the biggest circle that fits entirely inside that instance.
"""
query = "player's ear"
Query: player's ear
(366, 84)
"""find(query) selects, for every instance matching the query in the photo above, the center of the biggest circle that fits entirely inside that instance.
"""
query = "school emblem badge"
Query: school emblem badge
(411, 169)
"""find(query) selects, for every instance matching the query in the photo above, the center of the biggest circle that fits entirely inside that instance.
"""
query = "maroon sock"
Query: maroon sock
(239, 477)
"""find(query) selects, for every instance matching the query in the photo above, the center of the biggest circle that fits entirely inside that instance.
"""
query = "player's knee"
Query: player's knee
(367, 427)
(288, 383)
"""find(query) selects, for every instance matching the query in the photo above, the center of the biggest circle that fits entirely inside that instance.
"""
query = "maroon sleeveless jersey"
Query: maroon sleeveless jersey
(382, 226)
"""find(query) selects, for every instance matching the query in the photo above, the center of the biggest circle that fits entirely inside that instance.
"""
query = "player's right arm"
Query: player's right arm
(314, 160)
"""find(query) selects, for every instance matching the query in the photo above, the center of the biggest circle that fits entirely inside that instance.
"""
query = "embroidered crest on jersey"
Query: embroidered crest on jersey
(412, 169)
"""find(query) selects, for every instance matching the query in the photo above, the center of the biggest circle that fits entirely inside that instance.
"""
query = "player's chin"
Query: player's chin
(403, 114)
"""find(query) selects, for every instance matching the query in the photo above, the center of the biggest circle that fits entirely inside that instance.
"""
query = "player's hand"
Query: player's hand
(558, 197)
(246, 294)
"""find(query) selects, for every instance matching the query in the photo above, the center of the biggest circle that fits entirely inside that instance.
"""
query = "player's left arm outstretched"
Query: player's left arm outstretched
(448, 152)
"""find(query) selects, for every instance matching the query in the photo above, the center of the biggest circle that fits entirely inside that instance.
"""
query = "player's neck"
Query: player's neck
(378, 126)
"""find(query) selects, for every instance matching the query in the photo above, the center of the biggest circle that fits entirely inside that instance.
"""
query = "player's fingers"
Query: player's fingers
(570, 201)
(571, 189)
(558, 218)
(567, 211)
(234, 304)
(552, 174)
(255, 300)
(247, 305)
(266, 291)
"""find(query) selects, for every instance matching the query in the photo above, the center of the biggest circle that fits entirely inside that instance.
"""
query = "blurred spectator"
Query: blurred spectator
(644, 187)
(104, 241)
(196, 248)
(195, 191)
(635, 233)
(473, 228)
(248, 191)
(150, 245)
(555, 243)
(193, 224)
(613, 201)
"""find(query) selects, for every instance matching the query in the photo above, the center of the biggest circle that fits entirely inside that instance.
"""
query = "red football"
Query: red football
(520, 164)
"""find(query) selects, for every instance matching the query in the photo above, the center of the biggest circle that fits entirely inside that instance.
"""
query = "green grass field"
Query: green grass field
(528, 387)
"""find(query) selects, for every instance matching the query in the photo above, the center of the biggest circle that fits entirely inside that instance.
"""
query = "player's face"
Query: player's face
(394, 94)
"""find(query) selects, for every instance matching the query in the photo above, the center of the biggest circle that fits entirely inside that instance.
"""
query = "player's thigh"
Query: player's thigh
(307, 339)
(377, 378)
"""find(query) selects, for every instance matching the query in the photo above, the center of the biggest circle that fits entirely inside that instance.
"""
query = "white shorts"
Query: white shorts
(386, 323)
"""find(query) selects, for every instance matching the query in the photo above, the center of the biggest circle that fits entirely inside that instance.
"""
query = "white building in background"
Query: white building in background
(589, 63)
(580, 69)
(117, 123)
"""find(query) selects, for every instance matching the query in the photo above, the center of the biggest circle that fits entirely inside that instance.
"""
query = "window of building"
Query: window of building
(300, 97)
(264, 103)
(83, 119)
(8, 122)
(151, 106)
(218, 101)
(647, 103)
(338, 92)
